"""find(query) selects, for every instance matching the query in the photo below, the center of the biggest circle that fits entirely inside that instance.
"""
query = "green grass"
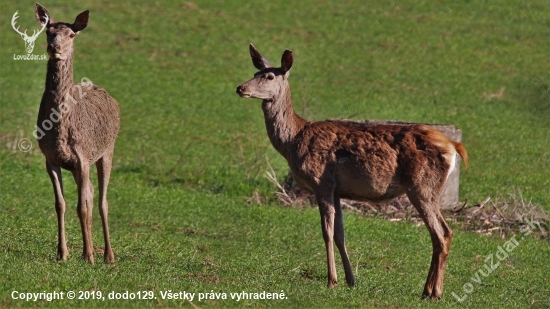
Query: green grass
(191, 152)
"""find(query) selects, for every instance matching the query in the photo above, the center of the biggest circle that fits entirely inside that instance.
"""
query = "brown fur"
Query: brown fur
(366, 162)
(84, 134)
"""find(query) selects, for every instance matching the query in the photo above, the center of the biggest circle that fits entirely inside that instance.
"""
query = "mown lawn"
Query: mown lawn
(191, 153)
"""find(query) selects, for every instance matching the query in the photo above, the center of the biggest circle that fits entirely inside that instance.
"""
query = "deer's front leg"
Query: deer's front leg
(55, 175)
(103, 173)
(84, 209)
(326, 208)
(340, 241)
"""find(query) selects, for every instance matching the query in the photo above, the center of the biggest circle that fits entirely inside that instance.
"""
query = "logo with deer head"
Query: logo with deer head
(29, 40)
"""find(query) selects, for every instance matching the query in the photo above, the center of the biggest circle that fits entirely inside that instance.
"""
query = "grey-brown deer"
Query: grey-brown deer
(79, 124)
(344, 159)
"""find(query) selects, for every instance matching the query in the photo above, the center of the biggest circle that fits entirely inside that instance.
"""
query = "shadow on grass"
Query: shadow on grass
(534, 93)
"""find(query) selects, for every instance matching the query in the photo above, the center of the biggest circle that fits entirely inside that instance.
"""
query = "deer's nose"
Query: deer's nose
(240, 89)
(53, 47)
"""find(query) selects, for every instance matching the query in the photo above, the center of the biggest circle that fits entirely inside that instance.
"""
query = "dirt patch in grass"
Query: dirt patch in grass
(204, 278)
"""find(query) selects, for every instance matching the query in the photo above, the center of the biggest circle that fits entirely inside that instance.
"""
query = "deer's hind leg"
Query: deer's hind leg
(104, 166)
(55, 176)
(441, 236)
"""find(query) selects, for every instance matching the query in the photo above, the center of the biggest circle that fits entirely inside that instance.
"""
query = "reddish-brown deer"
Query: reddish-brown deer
(341, 159)
(78, 125)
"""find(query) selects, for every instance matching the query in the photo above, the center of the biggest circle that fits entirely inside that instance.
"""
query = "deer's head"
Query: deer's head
(29, 40)
(60, 35)
(269, 82)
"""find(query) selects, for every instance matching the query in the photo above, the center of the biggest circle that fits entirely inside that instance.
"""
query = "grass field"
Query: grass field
(191, 153)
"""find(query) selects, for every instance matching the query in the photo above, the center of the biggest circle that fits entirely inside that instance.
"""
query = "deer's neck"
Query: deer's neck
(281, 122)
(59, 81)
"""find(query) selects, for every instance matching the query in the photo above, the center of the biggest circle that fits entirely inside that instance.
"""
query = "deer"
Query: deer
(82, 134)
(29, 40)
(337, 159)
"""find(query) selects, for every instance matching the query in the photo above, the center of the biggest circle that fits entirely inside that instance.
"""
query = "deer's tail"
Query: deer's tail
(461, 151)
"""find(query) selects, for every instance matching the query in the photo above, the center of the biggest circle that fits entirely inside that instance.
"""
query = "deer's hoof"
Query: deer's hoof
(109, 257)
(88, 258)
(432, 297)
(62, 256)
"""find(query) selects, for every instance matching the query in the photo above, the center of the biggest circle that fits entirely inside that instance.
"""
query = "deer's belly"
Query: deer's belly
(367, 187)
(355, 186)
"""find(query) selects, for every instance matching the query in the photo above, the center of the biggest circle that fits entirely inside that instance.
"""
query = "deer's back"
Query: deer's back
(89, 124)
(369, 162)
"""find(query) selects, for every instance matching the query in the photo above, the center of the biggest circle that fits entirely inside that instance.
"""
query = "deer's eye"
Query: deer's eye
(270, 77)
(72, 35)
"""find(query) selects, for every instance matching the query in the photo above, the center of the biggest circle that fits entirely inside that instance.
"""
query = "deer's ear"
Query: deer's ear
(286, 61)
(42, 15)
(257, 59)
(81, 21)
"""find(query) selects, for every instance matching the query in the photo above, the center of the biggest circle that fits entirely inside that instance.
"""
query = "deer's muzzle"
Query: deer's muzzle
(54, 51)
(241, 91)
